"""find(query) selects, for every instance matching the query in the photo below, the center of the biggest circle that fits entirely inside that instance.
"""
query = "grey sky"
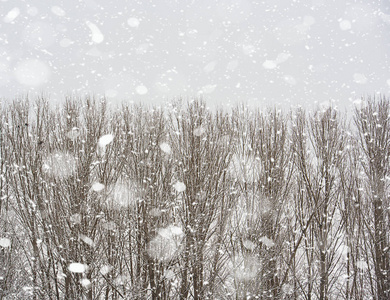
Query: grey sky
(282, 51)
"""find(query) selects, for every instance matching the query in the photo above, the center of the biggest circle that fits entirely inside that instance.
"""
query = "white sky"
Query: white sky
(258, 52)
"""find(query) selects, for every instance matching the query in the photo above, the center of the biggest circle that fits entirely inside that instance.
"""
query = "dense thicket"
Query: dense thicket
(186, 203)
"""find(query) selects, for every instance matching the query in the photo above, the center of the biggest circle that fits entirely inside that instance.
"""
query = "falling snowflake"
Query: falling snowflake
(166, 244)
(344, 250)
(141, 90)
(199, 131)
(77, 268)
(105, 140)
(64, 43)
(248, 244)
(61, 275)
(5, 242)
(288, 289)
(87, 240)
(269, 64)
(122, 195)
(11, 15)
(210, 67)
(75, 218)
(165, 148)
(122, 279)
(86, 283)
(97, 187)
(232, 65)
(345, 25)
(179, 186)
(359, 78)
(171, 231)
(177, 231)
(245, 267)
(133, 22)
(282, 57)
(169, 274)
(162, 249)
(97, 36)
(362, 265)
(106, 269)
(267, 242)
(155, 212)
(73, 134)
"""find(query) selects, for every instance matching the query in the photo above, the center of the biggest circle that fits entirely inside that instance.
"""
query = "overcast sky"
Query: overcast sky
(258, 52)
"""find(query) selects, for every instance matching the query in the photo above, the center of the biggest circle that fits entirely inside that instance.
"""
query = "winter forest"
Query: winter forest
(185, 202)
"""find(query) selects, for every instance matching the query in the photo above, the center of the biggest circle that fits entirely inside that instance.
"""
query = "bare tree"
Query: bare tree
(185, 203)
(372, 122)
(201, 184)
(13, 275)
(261, 171)
(148, 163)
(318, 148)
